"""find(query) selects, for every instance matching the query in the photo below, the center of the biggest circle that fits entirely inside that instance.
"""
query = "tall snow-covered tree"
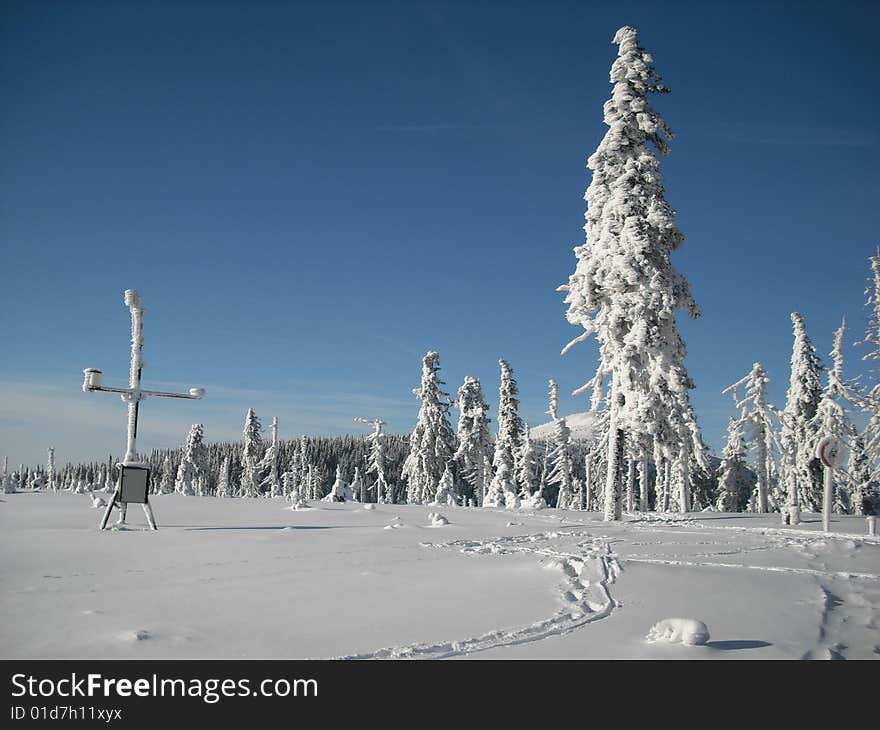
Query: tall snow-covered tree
(624, 288)
(191, 472)
(871, 432)
(833, 418)
(797, 439)
(357, 486)
(8, 481)
(166, 484)
(757, 418)
(560, 458)
(250, 457)
(527, 466)
(376, 459)
(474, 441)
(269, 465)
(340, 491)
(510, 425)
(445, 493)
(859, 474)
(432, 442)
(734, 480)
(224, 487)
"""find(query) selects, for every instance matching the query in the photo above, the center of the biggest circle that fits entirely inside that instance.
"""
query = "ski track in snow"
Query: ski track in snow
(768, 568)
(584, 593)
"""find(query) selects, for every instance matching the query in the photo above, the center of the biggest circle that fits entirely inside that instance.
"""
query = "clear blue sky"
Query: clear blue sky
(310, 196)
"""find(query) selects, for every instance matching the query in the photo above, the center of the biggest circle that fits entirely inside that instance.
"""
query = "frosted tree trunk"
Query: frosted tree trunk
(612, 479)
(588, 481)
(630, 484)
(763, 474)
(643, 484)
(684, 498)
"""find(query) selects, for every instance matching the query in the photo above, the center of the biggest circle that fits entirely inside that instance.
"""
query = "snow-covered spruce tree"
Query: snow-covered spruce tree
(859, 474)
(432, 442)
(833, 418)
(562, 467)
(527, 466)
(797, 438)
(734, 480)
(624, 289)
(474, 441)
(8, 482)
(250, 457)
(303, 474)
(510, 425)
(502, 489)
(445, 489)
(357, 486)
(190, 473)
(561, 471)
(340, 491)
(269, 465)
(871, 432)
(376, 459)
(313, 486)
(757, 416)
(224, 488)
(166, 485)
(316, 481)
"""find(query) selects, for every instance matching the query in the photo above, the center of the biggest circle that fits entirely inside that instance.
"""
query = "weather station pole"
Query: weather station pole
(133, 483)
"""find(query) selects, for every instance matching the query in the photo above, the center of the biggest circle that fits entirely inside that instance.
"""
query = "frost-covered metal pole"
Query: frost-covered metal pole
(136, 366)
(134, 394)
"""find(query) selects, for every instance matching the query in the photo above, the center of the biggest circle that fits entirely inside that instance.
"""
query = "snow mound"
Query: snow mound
(369, 505)
(98, 502)
(688, 631)
(437, 520)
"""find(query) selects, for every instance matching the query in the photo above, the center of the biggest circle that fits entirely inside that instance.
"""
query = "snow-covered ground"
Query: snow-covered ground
(249, 578)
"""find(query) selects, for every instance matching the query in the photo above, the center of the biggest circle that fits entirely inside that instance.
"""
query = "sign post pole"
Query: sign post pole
(829, 451)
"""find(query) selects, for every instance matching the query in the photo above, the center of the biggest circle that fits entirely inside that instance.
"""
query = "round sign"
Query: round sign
(829, 451)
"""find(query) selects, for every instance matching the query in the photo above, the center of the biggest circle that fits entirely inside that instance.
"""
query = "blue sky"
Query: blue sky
(310, 196)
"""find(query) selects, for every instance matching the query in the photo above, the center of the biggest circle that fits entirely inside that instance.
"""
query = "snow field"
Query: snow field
(251, 578)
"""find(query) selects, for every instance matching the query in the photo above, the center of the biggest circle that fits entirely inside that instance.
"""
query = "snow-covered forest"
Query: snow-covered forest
(581, 536)
(638, 448)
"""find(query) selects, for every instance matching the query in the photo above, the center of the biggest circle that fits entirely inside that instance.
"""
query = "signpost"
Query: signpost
(134, 475)
(829, 451)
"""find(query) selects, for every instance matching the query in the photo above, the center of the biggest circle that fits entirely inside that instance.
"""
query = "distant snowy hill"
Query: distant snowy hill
(581, 425)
